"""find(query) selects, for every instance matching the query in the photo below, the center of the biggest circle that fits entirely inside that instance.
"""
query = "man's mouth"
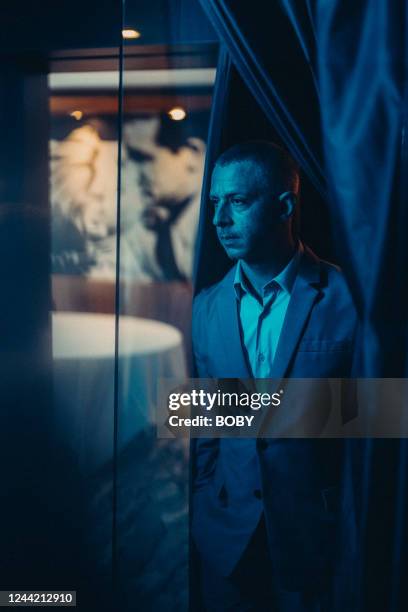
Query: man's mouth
(228, 238)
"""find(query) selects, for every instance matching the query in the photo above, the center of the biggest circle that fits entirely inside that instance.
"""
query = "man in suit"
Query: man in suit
(265, 511)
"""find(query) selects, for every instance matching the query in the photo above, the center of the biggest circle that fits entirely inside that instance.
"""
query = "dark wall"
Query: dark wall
(68, 24)
(49, 25)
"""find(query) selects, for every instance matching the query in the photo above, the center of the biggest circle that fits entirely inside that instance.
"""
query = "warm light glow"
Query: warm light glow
(130, 34)
(77, 114)
(177, 113)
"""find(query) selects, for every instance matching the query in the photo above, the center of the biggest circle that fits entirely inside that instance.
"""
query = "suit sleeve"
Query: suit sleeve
(204, 450)
(199, 324)
(349, 395)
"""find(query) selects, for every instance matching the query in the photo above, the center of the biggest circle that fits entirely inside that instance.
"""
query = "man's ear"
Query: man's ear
(288, 201)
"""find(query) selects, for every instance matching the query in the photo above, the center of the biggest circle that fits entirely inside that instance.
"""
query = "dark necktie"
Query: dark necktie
(165, 253)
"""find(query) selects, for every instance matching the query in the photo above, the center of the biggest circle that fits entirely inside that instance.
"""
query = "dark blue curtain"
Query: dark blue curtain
(328, 80)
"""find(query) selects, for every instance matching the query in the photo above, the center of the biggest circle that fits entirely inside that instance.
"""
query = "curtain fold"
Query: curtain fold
(206, 240)
(360, 63)
(254, 52)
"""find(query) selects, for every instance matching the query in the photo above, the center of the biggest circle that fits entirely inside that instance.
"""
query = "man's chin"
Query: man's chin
(234, 253)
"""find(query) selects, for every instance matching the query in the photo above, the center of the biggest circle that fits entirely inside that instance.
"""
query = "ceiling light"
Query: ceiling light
(77, 114)
(130, 34)
(177, 113)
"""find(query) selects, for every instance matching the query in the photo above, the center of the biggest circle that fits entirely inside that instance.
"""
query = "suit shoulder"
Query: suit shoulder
(334, 275)
(209, 295)
(205, 295)
(337, 290)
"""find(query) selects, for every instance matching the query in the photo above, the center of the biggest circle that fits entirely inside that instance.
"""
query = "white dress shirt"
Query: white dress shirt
(262, 319)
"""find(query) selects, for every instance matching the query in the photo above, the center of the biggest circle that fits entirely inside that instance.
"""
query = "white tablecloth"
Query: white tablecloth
(83, 372)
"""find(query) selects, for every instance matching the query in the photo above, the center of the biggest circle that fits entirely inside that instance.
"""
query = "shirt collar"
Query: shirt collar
(285, 279)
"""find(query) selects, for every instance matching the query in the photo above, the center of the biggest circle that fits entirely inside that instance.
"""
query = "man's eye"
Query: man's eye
(238, 201)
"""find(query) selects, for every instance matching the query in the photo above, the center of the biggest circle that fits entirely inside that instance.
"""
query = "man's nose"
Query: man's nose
(222, 216)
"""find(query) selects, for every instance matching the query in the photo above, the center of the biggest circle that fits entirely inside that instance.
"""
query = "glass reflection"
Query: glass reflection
(165, 122)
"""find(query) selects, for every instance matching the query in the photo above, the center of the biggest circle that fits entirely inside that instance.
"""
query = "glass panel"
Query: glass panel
(59, 77)
(83, 88)
(167, 88)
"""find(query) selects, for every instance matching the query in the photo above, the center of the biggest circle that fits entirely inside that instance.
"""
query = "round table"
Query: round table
(84, 374)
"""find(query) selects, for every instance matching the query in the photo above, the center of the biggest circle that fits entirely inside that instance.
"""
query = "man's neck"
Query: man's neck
(259, 273)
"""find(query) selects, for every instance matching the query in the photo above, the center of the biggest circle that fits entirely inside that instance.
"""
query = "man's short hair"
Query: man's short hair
(281, 170)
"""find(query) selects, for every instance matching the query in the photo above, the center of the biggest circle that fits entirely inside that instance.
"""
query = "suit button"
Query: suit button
(258, 493)
(262, 444)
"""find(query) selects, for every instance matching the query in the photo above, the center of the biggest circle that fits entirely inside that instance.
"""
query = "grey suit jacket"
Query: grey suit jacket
(296, 483)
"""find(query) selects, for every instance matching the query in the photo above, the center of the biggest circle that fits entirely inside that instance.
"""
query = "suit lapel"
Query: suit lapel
(229, 329)
(305, 291)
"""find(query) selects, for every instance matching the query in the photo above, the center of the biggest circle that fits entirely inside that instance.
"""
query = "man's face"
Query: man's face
(245, 214)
